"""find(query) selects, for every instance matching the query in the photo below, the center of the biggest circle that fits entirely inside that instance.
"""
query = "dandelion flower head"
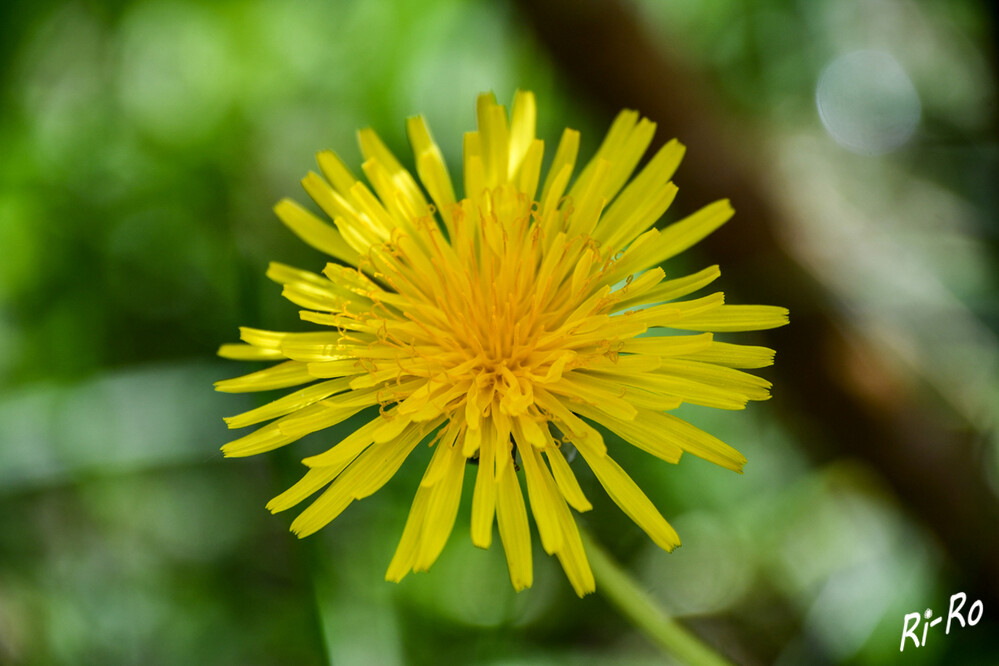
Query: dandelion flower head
(496, 328)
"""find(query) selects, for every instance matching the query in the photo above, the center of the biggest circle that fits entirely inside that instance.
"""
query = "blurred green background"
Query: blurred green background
(142, 145)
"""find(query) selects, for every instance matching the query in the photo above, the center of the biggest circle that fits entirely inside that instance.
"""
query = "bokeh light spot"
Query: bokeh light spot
(867, 102)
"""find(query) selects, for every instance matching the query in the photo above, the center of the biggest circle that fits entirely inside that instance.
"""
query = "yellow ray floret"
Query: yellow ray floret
(498, 328)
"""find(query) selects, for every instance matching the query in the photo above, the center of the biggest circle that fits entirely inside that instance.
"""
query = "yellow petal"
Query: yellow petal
(642, 216)
(544, 497)
(342, 368)
(736, 318)
(743, 383)
(589, 389)
(531, 431)
(566, 481)
(335, 171)
(475, 170)
(733, 356)
(442, 510)
(693, 440)
(333, 203)
(388, 457)
(484, 497)
(282, 375)
(627, 156)
(681, 235)
(522, 128)
(669, 314)
(349, 447)
(572, 556)
(636, 432)
(682, 388)
(675, 288)
(514, 532)
(289, 403)
(530, 169)
(430, 165)
(239, 352)
(405, 552)
(560, 170)
(614, 142)
(365, 476)
(573, 426)
(627, 495)
(588, 202)
(494, 134)
(373, 149)
(615, 229)
(669, 345)
(315, 232)
(314, 479)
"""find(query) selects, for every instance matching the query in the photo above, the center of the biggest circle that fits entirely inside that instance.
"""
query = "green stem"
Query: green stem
(624, 592)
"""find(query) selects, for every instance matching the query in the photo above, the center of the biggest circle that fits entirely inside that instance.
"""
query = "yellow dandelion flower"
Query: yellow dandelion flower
(496, 327)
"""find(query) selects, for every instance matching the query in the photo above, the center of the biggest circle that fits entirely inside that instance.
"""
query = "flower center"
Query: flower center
(506, 302)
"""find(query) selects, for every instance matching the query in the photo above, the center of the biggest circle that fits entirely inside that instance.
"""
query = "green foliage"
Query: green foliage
(143, 145)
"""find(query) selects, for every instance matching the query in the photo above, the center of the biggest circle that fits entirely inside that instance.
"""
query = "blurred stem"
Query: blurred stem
(309, 560)
(322, 588)
(624, 592)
